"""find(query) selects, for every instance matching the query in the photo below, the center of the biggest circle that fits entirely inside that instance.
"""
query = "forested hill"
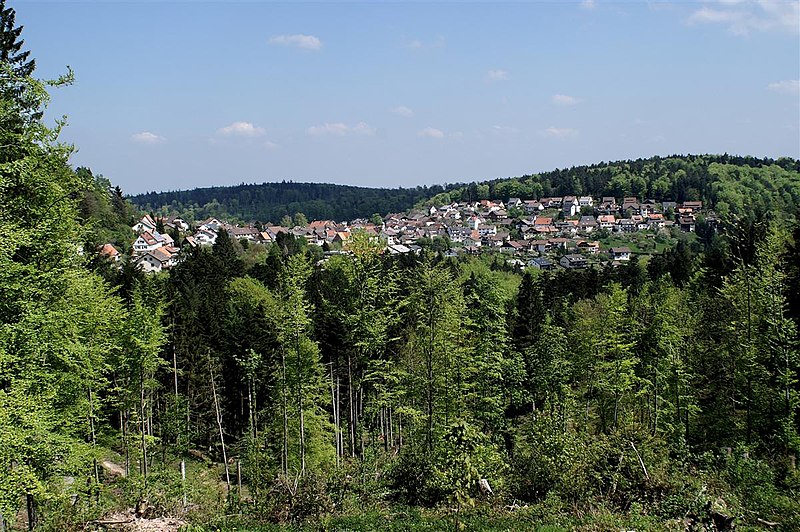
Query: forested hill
(728, 183)
(269, 202)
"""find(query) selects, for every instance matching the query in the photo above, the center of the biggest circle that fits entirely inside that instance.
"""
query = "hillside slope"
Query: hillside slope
(269, 202)
(728, 183)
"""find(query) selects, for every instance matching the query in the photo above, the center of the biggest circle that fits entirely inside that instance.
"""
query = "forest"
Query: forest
(269, 202)
(270, 388)
(730, 184)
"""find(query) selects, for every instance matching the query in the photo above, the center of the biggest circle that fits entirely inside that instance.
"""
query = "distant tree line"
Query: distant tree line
(728, 183)
(270, 202)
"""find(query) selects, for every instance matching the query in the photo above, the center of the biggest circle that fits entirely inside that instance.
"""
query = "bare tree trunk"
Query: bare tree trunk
(351, 405)
(300, 404)
(285, 450)
(221, 434)
(339, 417)
(429, 361)
(391, 427)
(361, 410)
(94, 441)
(399, 430)
(250, 413)
(183, 482)
(123, 416)
(142, 427)
(335, 417)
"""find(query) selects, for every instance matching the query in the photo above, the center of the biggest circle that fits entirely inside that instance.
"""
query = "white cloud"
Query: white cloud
(563, 99)
(561, 133)
(743, 17)
(789, 86)
(431, 132)
(339, 129)
(588, 4)
(497, 75)
(270, 145)
(241, 129)
(146, 137)
(402, 110)
(306, 42)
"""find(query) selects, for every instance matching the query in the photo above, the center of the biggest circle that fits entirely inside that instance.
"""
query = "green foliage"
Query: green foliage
(279, 202)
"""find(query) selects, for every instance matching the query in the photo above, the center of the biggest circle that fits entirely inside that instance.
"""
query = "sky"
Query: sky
(176, 95)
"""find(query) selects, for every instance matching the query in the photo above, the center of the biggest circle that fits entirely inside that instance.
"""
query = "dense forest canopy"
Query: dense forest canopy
(727, 183)
(262, 386)
(269, 202)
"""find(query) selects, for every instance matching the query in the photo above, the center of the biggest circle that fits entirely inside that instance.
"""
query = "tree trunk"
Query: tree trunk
(351, 413)
(31, 511)
(285, 405)
(142, 428)
(335, 417)
(300, 405)
(221, 434)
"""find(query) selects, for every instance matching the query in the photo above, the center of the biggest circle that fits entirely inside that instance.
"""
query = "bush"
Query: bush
(290, 500)
(451, 472)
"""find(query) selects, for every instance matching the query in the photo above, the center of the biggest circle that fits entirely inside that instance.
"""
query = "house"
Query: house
(513, 203)
(109, 252)
(532, 206)
(692, 206)
(341, 237)
(210, 224)
(686, 223)
(570, 207)
(145, 224)
(552, 203)
(248, 233)
(205, 237)
(150, 240)
(399, 249)
(608, 205)
(588, 247)
(655, 220)
(626, 226)
(641, 223)
(668, 206)
(630, 204)
(497, 214)
(606, 221)
(622, 253)
(585, 201)
(158, 259)
(543, 246)
(573, 262)
(512, 246)
(179, 224)
(487, 230)
(541, 263)
(587, 224)
(567, 227)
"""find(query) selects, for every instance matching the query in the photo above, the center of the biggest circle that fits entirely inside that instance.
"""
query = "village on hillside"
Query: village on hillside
(547, 233)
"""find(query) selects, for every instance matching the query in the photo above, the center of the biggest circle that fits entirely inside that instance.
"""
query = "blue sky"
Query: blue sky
(173, 95)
